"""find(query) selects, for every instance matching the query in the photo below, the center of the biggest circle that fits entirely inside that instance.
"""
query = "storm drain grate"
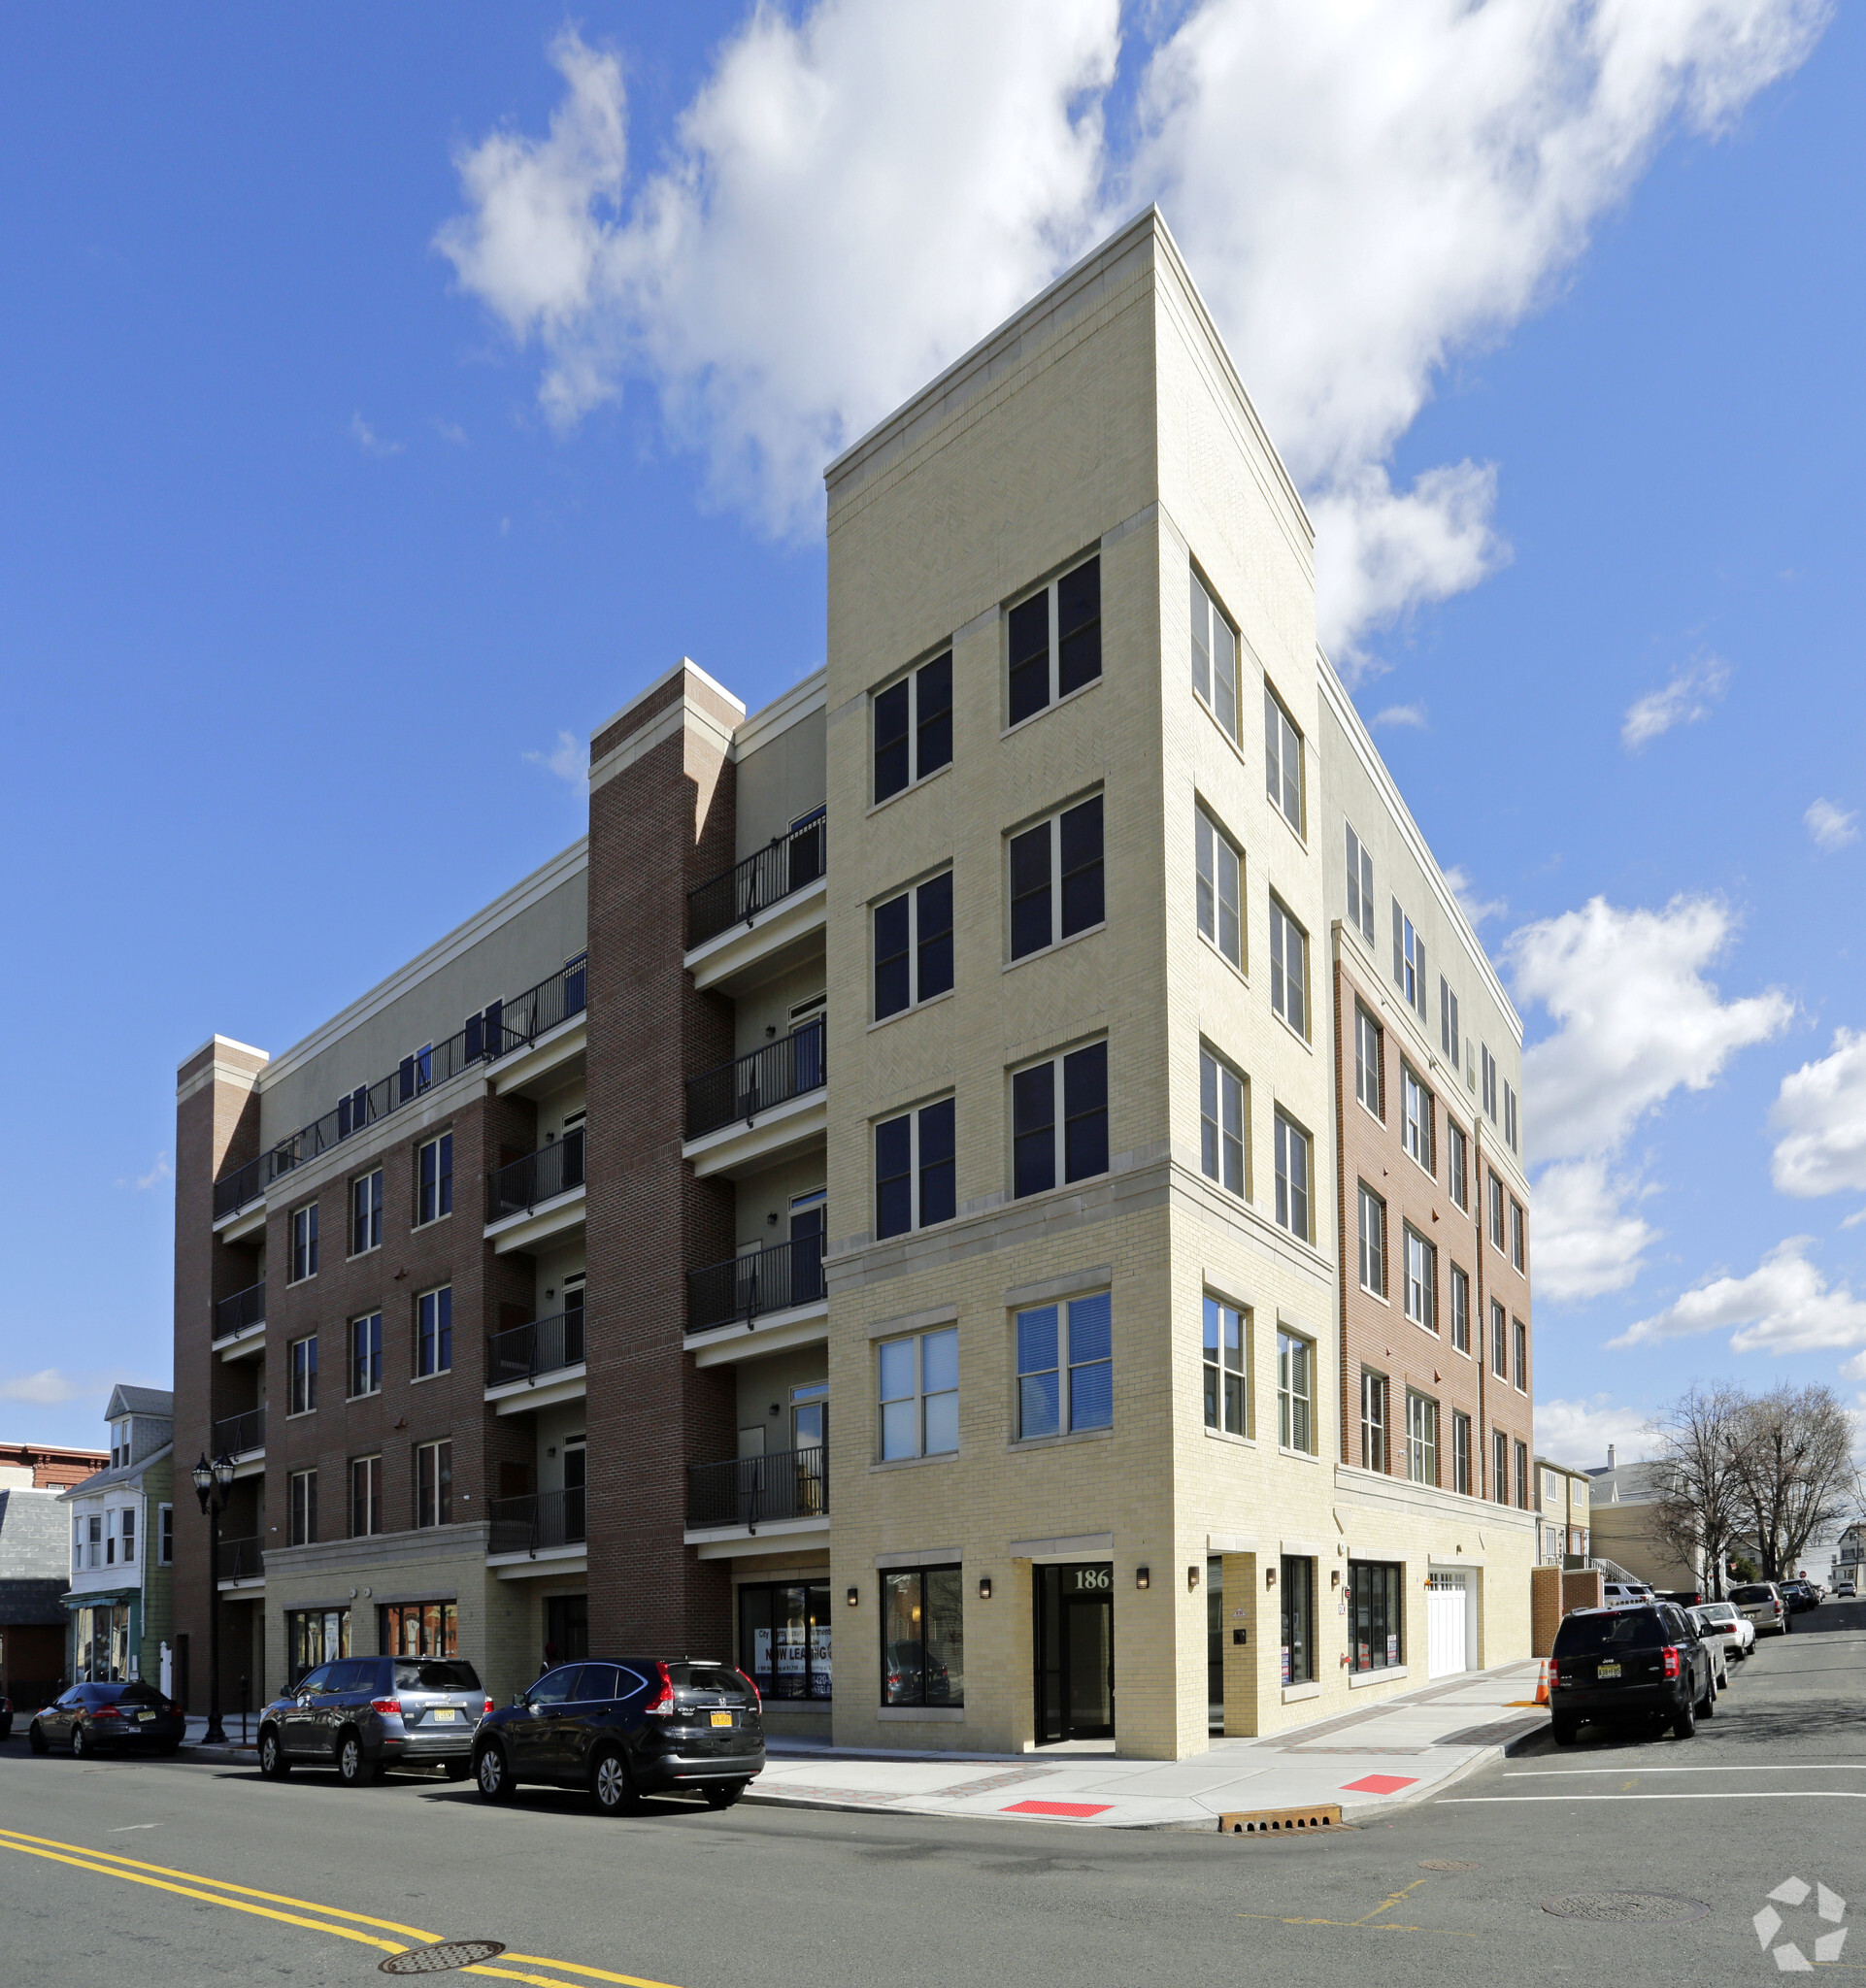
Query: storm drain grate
(443, 1957)
(1631, 1907)
(1283, 1822)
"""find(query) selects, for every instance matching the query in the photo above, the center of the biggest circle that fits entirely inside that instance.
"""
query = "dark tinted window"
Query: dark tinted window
(317, 1679)
(1079, 632)
(103, 1694)
(704, 1677)
(1751, 1594)
(1031, 925)
(891, 742)
(891, 989)
(1029, 634)
(555, 1687)
(935, 714)
(1632, 1628)
(1081, 867)
(358, 1674)
(936, 936)
(436, 1675)
(597, 1683)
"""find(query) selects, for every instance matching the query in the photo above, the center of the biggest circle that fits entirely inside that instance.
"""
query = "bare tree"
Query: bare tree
(1793, 1461)
(1701, 1505)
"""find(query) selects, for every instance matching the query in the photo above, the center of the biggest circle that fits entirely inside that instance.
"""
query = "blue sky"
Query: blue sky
(320, 535)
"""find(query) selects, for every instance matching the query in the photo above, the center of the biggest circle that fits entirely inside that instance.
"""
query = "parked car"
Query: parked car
(1800, 1596)
(1618, 1663)
(1844, 1589)
(1627, 1594)
(1686, 1597)
(108, 1718)
(6, 1719)
(626, 1728)
(1761, 1601)
(1723, 1622)
(362, 1715)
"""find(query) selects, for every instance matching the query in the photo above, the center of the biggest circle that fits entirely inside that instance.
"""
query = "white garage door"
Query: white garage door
(1445, 1625)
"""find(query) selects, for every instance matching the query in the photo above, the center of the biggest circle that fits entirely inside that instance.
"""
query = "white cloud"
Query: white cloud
(1784, 1306)
(1820, 1112)
(44, 1389)
(450, 431)
(368, 441)
(568, 759)
(1475, 907)
(1402, 717)
(159, 1172)
(1831, 827)
(1577, 1432)
(1686, 700)
(1588, 1241)
(859, 193)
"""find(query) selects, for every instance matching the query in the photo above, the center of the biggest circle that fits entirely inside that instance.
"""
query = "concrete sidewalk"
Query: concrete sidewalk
(1371, 1760)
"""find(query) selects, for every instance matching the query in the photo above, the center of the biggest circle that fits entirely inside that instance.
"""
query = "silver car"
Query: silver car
(362, 1715)
(1761, 1601)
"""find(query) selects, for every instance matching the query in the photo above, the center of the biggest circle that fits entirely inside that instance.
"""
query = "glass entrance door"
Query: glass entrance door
(1075, 1649)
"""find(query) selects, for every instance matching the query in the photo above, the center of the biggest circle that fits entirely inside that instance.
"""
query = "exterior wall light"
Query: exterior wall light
(1269, 1577)
(855, 1596)
(1192, 1580)
(1142, 1577)
(985, 1587)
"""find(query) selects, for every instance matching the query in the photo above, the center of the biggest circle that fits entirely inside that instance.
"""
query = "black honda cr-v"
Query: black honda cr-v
(1629, 1664)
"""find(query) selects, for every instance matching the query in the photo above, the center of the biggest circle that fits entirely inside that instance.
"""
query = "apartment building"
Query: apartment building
(962, 1049)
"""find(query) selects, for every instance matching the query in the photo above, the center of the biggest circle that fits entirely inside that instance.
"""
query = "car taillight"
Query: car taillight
(757, 1696)
(661, 1704)
(1670, 1654)
(1554, 1672)
(389, 1708)
(106, 1712)
(486, 1713)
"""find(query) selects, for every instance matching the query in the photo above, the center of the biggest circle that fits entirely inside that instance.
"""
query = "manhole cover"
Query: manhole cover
(1445, 1864)
(1636, 1908)
(443, 1957)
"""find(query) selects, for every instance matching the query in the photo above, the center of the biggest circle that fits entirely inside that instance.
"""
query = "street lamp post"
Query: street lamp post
(212, 1482)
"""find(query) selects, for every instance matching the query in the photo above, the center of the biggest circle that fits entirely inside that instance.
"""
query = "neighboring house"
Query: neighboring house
(1563, 1499)
(32, 1578)
(44, 1465)
(121, 1546)
(1623, 1503)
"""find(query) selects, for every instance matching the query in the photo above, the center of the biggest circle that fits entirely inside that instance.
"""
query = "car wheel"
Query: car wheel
(354, 1767)
(722, 1795)
(1683, 1722)
(273, 1763)
(1707, 1705)
(36, 1740)
(457, 1770)
(612, 1785)
(492, 1775)
(81, 1747)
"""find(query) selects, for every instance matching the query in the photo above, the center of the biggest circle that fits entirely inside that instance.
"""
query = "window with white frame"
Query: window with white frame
(1496, 1212)
(1373, 1421)
(914, 726)
(1499, 1467)
(1447, 1021)
(1422, 1280)
(1409, 961)
(1510, 1115)
(434, 1180)
(916, 1183)
(1415, 1120)
(1488, 1064)
(127, 1530)
(1522, 1475)
(1059, 1120)
(1292, 1156)
(1360, 886)
(1227, 1398)
(1224, 1099)
(1288, 968)
(1056, 879)
(165, 1536)
(1220, 866)
(1373, 1242)
(365, 1496)
(914, 946)
(1422, 1439)
(366, 1213)
(1295, 1392)
(1522, 1338)
(1214, 660)
(1499, 1342)
(1066, 1367)
(366, 1355)
(302, 1499)
(434, 1332)
(434, 1484)
(1054, 641)
(1461, 1454)
(919, 1394)
(1459, 1168)
(1281, 759)
(1461, 1309)
(301, 1376)
(304, 1242)
(1370, 1047)
(1518, 1250)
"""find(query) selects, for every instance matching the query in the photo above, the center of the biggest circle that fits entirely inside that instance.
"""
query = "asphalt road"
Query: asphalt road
(1449, 1891)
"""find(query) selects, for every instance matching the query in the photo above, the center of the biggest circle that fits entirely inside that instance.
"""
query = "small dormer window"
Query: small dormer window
(118, 1443)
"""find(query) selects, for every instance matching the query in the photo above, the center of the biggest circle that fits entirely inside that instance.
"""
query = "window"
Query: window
(1373, 1242)
(1409, 961)
(1214, 659)
(118, 1444)
(1068, 846)
(304, 1242)
(313, 1637)
(1415, 1120)
(127, 1530)
(1373, 1422)
(1220, 890)
(1500, 1467)
(1499, 1342)
(1489, 1064)
(1521, 1337)
(365, 1496)
(302, 1486)
(1227, 1402)
(1221, 1123)
(1422, 1280)
(914, 726)
(1460, 1310)
(1054, 641)
(784, 1638)
(1292, 1178)
(1373, 1590)
(922, 1637)
(1369, 1062)
(418, 1629)
(434, 1484)
(165, 1536)
(915, 1179)
(1281, 759)
(1295, 1392)
(1298, 1620)
(301, 1372)
(1496, 1211)
(366, 1213)
(366, 1355)
(1360, 886)
(94, 1544)
(1447, 1021)
(1523, 1475)
(1460, 1166)
(1066, 1367)
(434, 1332)
(1422, 1439)
(434, 1177)
(913, 947)
(110, 1538)
(1070, 1146)
(1288, 968)
(1517, 1252)
(1510, 1115)
(1461, 1454)
(920, 1395)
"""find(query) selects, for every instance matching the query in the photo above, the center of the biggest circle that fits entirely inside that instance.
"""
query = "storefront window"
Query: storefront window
(313, 1637)
(1298, 1585)
(922, 1638)
(783, 1640)
(419, 1629)
(1374, 1629)
(102, 1651)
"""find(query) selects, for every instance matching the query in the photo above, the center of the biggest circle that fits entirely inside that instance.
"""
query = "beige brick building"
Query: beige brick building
(956, 1061)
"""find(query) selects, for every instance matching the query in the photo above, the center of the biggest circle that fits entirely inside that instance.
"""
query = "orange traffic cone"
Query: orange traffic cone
(1541, 1682)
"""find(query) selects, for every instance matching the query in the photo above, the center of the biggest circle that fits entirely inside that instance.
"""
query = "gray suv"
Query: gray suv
(362, 1715)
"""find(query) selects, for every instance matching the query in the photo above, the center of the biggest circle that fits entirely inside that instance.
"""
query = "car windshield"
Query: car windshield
(1716, 1611)
(436, 1674)
(105, 1694)
(1581, 1636)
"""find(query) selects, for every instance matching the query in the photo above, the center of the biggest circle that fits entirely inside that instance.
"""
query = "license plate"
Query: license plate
(722, 1718)
(1608, 1671)
(146, 1716)
(443, 1715)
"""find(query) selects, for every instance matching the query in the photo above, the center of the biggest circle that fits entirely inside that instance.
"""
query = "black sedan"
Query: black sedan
(1619, 1664)
(108, 1718)
(624, 1729)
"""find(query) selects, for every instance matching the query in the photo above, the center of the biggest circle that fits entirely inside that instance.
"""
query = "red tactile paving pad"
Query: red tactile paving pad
(1059, 1809)
(1379, 1784)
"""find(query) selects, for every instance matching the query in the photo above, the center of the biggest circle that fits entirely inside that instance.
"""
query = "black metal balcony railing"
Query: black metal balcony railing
(241, 1558)
(502, 1027)
(238, 1433)
(783, 1070)
(241, 1311)
(538, 1521)
(747, 1491)
(540, 1177)
(786, 863)
(769, 1280)
(524, 1352)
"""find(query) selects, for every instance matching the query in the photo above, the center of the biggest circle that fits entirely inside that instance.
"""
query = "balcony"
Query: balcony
(758, 1106)
(546, 1527)
(550, 1179)
(240, 1323)
(243, 1437)
(532, 1366)
(787, 863)
(779, 1294)
(788, 1492)
(241, 1564)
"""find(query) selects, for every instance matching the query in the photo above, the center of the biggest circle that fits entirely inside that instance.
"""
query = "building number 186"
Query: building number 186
(1093, 1577)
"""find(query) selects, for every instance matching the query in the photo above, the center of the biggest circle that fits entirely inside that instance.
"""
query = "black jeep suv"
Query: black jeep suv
(1629, 1664)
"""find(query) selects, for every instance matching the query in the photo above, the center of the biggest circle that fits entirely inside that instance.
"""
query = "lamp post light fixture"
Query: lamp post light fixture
(213, 1484)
